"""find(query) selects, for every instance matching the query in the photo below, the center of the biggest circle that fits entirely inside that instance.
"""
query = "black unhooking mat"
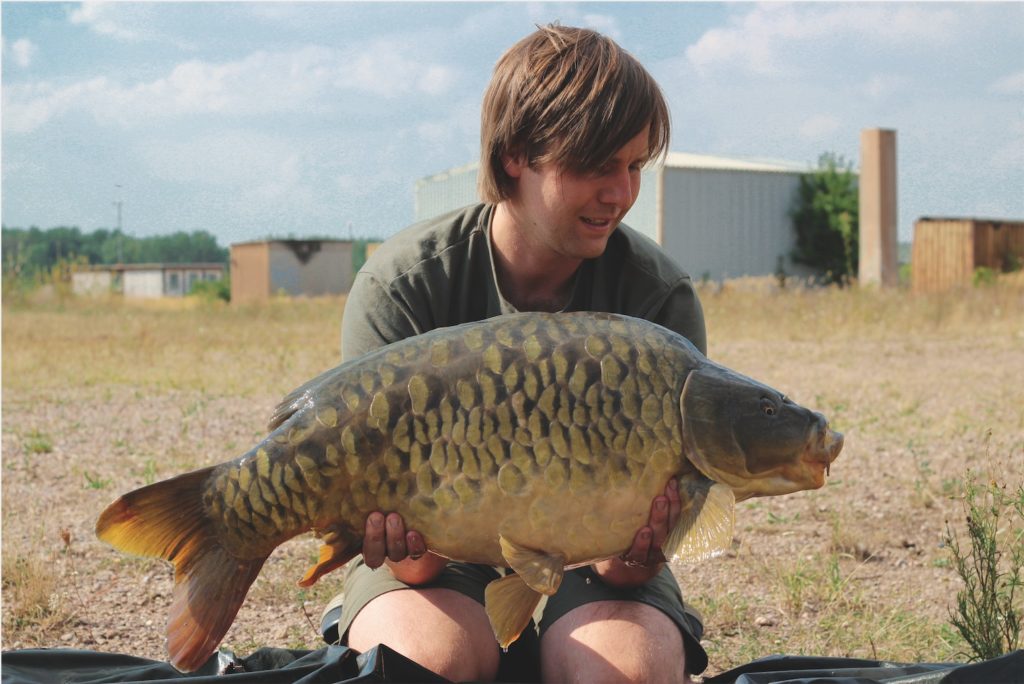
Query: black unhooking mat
(381, 664)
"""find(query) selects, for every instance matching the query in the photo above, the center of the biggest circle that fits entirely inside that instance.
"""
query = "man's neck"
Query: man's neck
(531, 276)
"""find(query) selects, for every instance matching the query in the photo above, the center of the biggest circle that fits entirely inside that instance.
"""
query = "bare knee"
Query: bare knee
(441, 629)
(613, 641)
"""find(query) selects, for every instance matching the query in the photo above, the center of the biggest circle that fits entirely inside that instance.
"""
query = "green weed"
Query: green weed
(37, 442)
(986, 614)
(95, 481)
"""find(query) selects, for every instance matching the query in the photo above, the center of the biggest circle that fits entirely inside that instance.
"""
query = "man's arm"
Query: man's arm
(373, 318)
(682, 312)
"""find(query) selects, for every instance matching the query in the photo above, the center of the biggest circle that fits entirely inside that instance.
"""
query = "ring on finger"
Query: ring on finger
(632, 563)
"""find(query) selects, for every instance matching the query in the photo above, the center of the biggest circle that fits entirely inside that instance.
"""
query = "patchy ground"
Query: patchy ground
(923, 391)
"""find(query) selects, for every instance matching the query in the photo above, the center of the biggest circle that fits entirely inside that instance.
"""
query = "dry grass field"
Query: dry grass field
(102, 397)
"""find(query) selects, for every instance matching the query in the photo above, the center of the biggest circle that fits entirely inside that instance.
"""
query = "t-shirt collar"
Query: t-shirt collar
(506, 306)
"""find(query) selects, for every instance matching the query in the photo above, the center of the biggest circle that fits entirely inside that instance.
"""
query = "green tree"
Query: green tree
(825, 217)
(27, 252)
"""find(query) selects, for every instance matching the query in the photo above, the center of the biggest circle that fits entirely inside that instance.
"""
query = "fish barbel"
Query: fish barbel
(532, 441)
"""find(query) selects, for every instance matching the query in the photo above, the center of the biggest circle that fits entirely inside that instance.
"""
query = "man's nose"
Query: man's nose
(617, 188)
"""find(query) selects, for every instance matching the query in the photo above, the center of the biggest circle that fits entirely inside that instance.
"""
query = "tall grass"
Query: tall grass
(156, 388)
(171, 344)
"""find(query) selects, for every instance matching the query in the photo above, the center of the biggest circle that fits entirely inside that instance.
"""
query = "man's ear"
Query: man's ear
(514, 164)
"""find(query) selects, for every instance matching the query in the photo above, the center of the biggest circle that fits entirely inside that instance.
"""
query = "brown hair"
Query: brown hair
(567, 95)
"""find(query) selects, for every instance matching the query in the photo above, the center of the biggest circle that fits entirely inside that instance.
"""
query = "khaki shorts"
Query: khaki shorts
(579, 586)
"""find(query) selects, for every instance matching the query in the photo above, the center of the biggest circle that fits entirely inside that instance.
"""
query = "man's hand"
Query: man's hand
(387, 541)
(644, 559)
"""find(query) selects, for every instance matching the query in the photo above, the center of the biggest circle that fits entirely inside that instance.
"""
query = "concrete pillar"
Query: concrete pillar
(878, 240)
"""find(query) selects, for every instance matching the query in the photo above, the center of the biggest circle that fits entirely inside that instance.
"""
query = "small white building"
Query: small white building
(718, 218)
(144, 281)
(93, 282)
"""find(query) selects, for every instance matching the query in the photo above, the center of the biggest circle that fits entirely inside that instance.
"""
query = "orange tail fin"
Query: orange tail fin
(166, 520)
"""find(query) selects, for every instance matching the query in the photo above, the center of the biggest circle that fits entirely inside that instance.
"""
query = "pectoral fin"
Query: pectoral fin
(331, 558)
(541, 571)
(705, 526)
(509, 603)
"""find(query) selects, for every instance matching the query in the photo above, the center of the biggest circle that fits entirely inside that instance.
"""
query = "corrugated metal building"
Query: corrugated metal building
(264, 268)
(947, 251)
(719, 218)
(144, 281)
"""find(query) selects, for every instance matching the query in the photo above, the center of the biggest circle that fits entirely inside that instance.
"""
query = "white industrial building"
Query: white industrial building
(144, 281)
(718, 218)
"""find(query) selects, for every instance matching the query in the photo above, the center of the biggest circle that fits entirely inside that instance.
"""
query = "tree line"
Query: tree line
(29, 251)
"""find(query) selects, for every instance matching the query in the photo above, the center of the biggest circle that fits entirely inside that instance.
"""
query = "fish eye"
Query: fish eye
(768, 407)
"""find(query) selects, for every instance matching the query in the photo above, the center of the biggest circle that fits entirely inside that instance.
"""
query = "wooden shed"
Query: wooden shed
(265, 268)
(947, 251)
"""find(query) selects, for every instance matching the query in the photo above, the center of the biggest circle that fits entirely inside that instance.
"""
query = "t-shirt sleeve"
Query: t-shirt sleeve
(682, 312)
(373, 318)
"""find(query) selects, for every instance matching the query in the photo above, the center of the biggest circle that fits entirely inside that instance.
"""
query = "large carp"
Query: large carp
(531, 441)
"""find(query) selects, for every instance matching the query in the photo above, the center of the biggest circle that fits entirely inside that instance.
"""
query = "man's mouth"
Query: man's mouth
(596, 222)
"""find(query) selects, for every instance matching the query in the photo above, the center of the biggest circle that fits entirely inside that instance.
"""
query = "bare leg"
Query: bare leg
(613, 641)
(440, 629)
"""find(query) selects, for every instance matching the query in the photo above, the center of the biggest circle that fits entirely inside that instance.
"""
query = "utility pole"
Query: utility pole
(120, 238)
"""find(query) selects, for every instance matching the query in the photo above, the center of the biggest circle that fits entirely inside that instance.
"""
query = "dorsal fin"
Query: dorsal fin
(298, 398)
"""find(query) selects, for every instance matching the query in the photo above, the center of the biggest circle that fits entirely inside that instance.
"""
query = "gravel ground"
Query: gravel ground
(857, 568)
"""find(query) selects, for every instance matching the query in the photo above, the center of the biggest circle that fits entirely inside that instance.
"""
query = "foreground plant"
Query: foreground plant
(986, 614)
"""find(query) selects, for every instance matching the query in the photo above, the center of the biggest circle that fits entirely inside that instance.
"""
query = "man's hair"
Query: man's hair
(566, 95)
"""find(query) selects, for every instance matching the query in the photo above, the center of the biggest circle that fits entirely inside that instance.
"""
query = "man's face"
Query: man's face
(572, 214)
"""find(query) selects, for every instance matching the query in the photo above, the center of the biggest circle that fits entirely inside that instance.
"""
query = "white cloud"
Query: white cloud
(22, 51)
(383, 69)
(307, 79)
(569, 15)
(759, 40)
(1011, 84)
(881, 86)
(104, 18)
(27, 107)
(819, 126)
(127, 22)
(253, 175)
(603, 23)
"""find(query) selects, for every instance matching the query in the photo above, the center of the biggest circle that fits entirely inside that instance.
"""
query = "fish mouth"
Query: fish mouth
(825, 450)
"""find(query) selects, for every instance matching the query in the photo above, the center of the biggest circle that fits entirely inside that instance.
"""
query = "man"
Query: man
(568, 122)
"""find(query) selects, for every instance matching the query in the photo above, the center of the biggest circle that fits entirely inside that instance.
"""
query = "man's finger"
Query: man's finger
(415, 544)
(637, 554)
(659, 519)
(675, 504)
(374, 548)
(395, 537)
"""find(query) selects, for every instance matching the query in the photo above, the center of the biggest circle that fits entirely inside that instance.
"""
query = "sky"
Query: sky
(256, 119)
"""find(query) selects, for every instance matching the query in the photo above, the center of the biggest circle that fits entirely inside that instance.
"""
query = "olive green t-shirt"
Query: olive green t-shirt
(440, 272)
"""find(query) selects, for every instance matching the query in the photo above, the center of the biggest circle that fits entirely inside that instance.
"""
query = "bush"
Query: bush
(826, 220)
(212, 290)
(983, 275)
(986, 614)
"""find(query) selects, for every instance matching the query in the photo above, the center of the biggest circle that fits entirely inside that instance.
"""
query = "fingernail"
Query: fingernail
(375, 522)
(661, 504)
(674, 484)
